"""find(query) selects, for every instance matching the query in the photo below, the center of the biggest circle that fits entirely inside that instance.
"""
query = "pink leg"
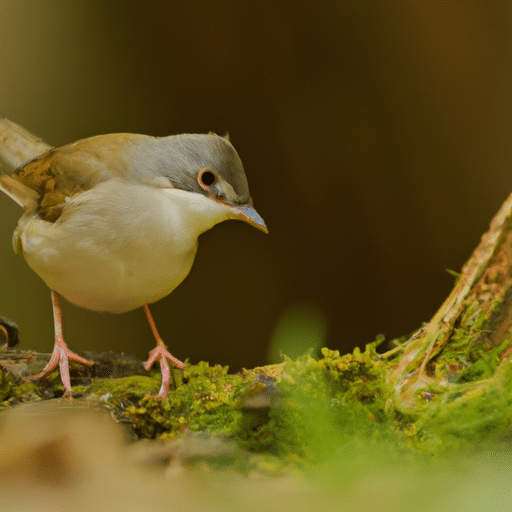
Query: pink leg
(61, 353)
(160, 353)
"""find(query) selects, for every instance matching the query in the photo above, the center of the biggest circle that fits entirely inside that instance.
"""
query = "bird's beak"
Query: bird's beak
(241, 212)
(248, 214)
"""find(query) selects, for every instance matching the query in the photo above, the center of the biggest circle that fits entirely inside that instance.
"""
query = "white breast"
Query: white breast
(119, 246)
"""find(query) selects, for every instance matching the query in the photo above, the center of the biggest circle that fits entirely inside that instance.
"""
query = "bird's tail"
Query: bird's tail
(18, 146)
(23, 195)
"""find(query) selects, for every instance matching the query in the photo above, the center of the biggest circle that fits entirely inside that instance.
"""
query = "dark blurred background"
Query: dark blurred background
(376, 137)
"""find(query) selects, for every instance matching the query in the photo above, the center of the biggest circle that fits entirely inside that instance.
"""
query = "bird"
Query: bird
(111, 223)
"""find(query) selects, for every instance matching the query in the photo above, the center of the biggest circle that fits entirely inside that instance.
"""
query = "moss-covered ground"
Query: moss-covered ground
(292, 415)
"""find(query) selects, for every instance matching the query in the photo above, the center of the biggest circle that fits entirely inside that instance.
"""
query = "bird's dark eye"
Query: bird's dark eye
(206, 178)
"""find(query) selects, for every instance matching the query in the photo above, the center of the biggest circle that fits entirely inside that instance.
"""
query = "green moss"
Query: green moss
(201, 401)
(131, 388)
(470, 416)
(299, 413)
(26, 389)
(13, 392)
(6, 386)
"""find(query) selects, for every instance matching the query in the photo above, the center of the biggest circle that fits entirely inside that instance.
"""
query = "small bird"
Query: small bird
(112, 222)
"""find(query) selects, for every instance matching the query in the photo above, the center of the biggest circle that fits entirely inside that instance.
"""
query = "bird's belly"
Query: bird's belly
(111, 263)
(103, 282)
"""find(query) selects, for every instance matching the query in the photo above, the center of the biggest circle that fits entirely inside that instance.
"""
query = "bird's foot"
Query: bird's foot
(161, 354)
(60, 356)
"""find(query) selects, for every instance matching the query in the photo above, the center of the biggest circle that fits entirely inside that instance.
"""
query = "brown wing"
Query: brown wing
(63, 172)
(39, 175)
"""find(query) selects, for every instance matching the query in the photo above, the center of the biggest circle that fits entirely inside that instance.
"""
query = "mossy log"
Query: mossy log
(469, 338)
